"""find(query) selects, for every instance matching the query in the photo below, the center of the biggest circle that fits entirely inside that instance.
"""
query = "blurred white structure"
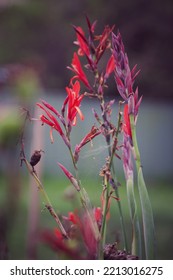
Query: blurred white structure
(154, 132)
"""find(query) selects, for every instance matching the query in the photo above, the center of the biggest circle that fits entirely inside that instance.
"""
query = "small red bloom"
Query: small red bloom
(81, 42)
(103, 42)
(58, 234)
(98, 214)
(72, 217)
(77, 68)
(74, 100)
(84, 224)
(50, 119)
(58, 245)
(70, 177)
(92, 134)
(126, 125)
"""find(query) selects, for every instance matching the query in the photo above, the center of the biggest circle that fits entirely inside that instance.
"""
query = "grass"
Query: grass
(59, 193)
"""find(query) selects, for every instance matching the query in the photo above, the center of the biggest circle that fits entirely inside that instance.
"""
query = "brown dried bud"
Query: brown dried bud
(35, 158)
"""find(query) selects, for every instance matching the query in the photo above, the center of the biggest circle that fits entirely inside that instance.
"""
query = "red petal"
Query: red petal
(46, 120)
(82, 40)
(50, 107)
(110, 65)
(126, 126)
(80, 113)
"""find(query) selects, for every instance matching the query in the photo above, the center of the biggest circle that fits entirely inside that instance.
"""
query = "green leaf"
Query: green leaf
(147, 217)
(136, 233)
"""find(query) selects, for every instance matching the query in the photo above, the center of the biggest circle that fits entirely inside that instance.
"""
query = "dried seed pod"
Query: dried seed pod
(35, 158)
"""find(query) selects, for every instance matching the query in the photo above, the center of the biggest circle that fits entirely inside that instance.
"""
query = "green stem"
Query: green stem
(135, 143)
(103, 226)
(147, 214)
(82, 197)
(122, 221)
(136, 248)
(46, 198)
(116, 190)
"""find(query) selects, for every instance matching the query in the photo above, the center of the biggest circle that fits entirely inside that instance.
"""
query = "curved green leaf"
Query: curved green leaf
(147, 217)
(136, 233)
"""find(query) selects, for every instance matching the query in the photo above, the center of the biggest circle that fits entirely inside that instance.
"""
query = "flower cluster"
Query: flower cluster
(88, 225)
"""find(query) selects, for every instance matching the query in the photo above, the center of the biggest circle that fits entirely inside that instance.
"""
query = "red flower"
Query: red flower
(92, 134)
(74, 100)
(72, 217)
(58, 234)
(50, 120)
(103, 42)
(81, 42)
(98, 214)
(126, 125)
(59, 245)
(77, 68)
(83, 223)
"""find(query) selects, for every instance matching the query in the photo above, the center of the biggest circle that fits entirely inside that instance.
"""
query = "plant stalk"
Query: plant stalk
(48, 204)
(147, 214)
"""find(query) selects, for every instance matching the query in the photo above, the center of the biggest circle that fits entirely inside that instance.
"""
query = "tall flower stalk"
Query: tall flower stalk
(93, 48)
(97, 50)
(125, 80)
(147, 214)
(136, 246)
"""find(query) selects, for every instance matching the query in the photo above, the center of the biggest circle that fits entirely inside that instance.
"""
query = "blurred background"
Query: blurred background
(36, 46)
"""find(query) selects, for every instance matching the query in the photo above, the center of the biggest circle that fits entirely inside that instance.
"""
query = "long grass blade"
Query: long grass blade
(136, 248)
(147, 217)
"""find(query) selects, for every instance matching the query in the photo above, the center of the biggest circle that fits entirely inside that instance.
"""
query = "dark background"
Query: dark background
(40, 33)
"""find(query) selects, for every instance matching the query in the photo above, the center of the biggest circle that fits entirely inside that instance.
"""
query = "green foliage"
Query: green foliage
(147, 217)
(134, 215)
(10, 126)
(57, 190)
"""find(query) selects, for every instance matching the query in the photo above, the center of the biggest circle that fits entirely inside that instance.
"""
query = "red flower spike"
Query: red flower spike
(77, 68)
(125, 77)
(126, 125)
(74, 100)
